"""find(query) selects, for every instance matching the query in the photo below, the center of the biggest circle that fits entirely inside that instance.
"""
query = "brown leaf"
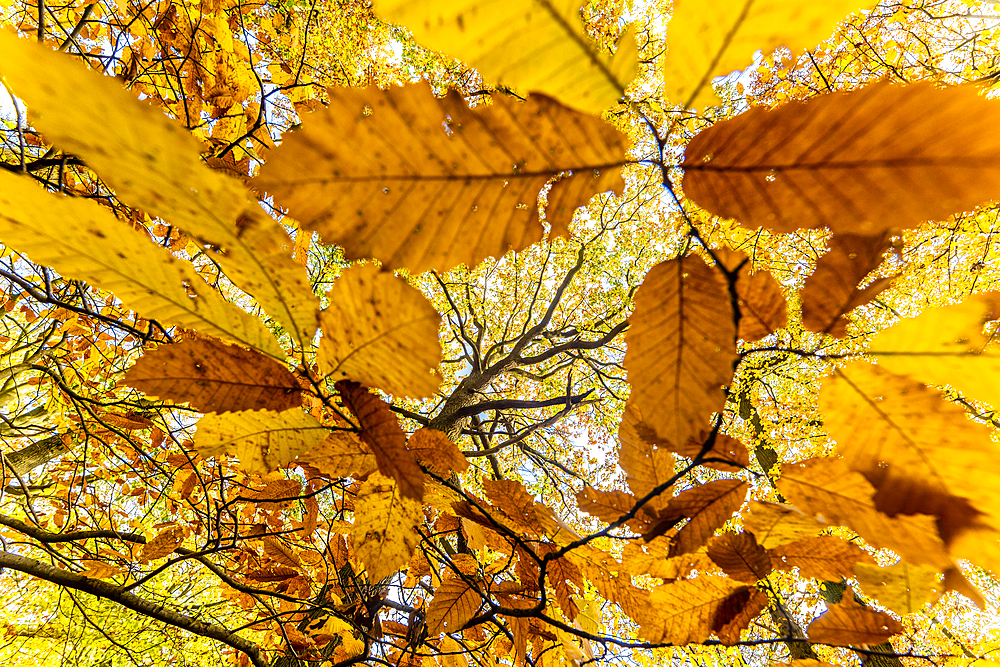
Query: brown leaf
(773, 524)
(861, 162)
(681, 347)
(437, 452)
(763, 308)
(685, 612)
(709, 507)
(453, 604)
(514, 500)
(341, 454)
(270, 496)
(609, 506)
(280, 553)
(727, 453)
(164, 544)
(825, 557)
(831, 291)
(737, 612)
(850, 624)
(427, 183)
(380, 430)
(740, 557)
(98, 569)
(272, 575)
(644, 458)
(212, 376)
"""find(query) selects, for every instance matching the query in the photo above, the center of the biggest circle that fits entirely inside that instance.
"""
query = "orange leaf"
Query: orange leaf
(164, 544)
(686, 611)
(850, 624)
(708, 506)
(453, 604)
(737, 612)
(739, 556)
(437, 452)
(279, 552)
(762, 303)
(824, 557)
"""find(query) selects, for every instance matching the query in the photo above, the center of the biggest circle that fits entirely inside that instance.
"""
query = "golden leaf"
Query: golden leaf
(740, 557)
(98, 569)
(609, 506)
(706, 41)
(737, 612)
(527, 44)
(850, 624)
(645, 459)
(280, 553)
(437, 452)
(341, 454)
(946, 346)
(164, 544)
(708, 507)
(453, 604)
(380, 332)
(684, 612)
(385, 532)
(214, 377)
(681, 348)
(773, 524)
(81, 240)
(427, 183)
(513, 500)
(901, 588)
(763, 308)
(380, 430)
(153, 163)
(824, 557)
(262, 440)
(903, 154)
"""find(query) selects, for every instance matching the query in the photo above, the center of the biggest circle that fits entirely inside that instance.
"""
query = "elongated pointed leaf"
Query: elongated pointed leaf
(862, 162)
(685, 611)
(81, 240)
(825, 557)
(427, 183)
(850, 624)
(385, 522)
(153, 163)
(262, 440)
(530, 45)
(454, 603)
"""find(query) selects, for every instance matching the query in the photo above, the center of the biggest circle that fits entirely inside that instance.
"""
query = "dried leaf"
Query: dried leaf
(644, 458)
(740, 557)
(684, 612)
(164, 544)
(894, 156)
(681, 348)
(507, 42)
(98, 569)
(763, 308)
(453, 604)
(341, 454)
(737, 612)
(427, 183)
(280, 553)
(825, 557)
(214, 377)
(901, 588)
(850, 624)
(609, 506)
(385, 532)
(262, 440)
(514, 501)
(380, 430)
(709, 507)
(380, 332)
(437, 452)
(773, 524)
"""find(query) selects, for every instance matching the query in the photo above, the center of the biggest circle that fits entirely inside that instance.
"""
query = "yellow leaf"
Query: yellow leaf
(341, 454)
(526, 44)
(262, 440)
(850, 624)
(380, 332)
(946, 346)
(908, 154)
(646, 460)
(214, 377)
(773, 524)
(453, 604)
(153, 163)
(740, 557)
(902, 588)
(681, 348)
(96, 569)
(824, 557)
(708, 506)
(437, 452)
(385, 522)
(706, 41)
(426, 183)
(685, 611)
(164, 544)
(81, 240)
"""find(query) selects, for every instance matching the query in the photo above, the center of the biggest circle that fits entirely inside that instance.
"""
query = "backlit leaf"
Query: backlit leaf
(437, 452)
(762, 303)
(385, 522)
(427, 183)
(454, 603)
(164, 543)
(214, 377)
(609, 506)
(850, 624)
(740, 557)
(737, 612)
(860, 162)
(684, 611)
(824, 557)
(902, 588)
(646, 460)
(708, 506)
(262, 440)
(681, 347)
(341, 454)
(773, 524)
(380, 332)
(527, 44)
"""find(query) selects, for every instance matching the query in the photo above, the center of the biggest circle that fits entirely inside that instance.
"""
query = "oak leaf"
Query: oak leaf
(263, 440)
(901, 588)
(380, 430)
(740, 557)
(214, 377)
(381, 332)
(850, 624)
(825, 557)
(427, 183)
(894, 155)
(681, 347)
(385, 522)
(526, 44)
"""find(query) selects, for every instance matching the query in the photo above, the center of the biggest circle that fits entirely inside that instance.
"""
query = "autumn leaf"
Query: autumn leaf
(832, 290)
(280, 552)
(726, 453)
(341, 454)
(774, 525)
(525, 44)
(740, 557)
(647, 461)
(164, 543)
(761, 301)
(706, 42)
(946, 346)
(214, 377)
(901, 588)
(737, 612)
(153, 163)
(609, 506)
(681, 347)
(850, 624)
(824, 557)
(262, 440)
(894, 155)
(385, 527)
(708, 506)
(685, 611)
(380, 430)
(426, 183)
(453, 604)
(81, 240)
(437, 452)
(510, 496)
(97, 569)
(380, 332)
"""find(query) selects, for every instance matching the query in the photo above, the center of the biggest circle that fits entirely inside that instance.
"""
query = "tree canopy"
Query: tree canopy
(476, 334)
